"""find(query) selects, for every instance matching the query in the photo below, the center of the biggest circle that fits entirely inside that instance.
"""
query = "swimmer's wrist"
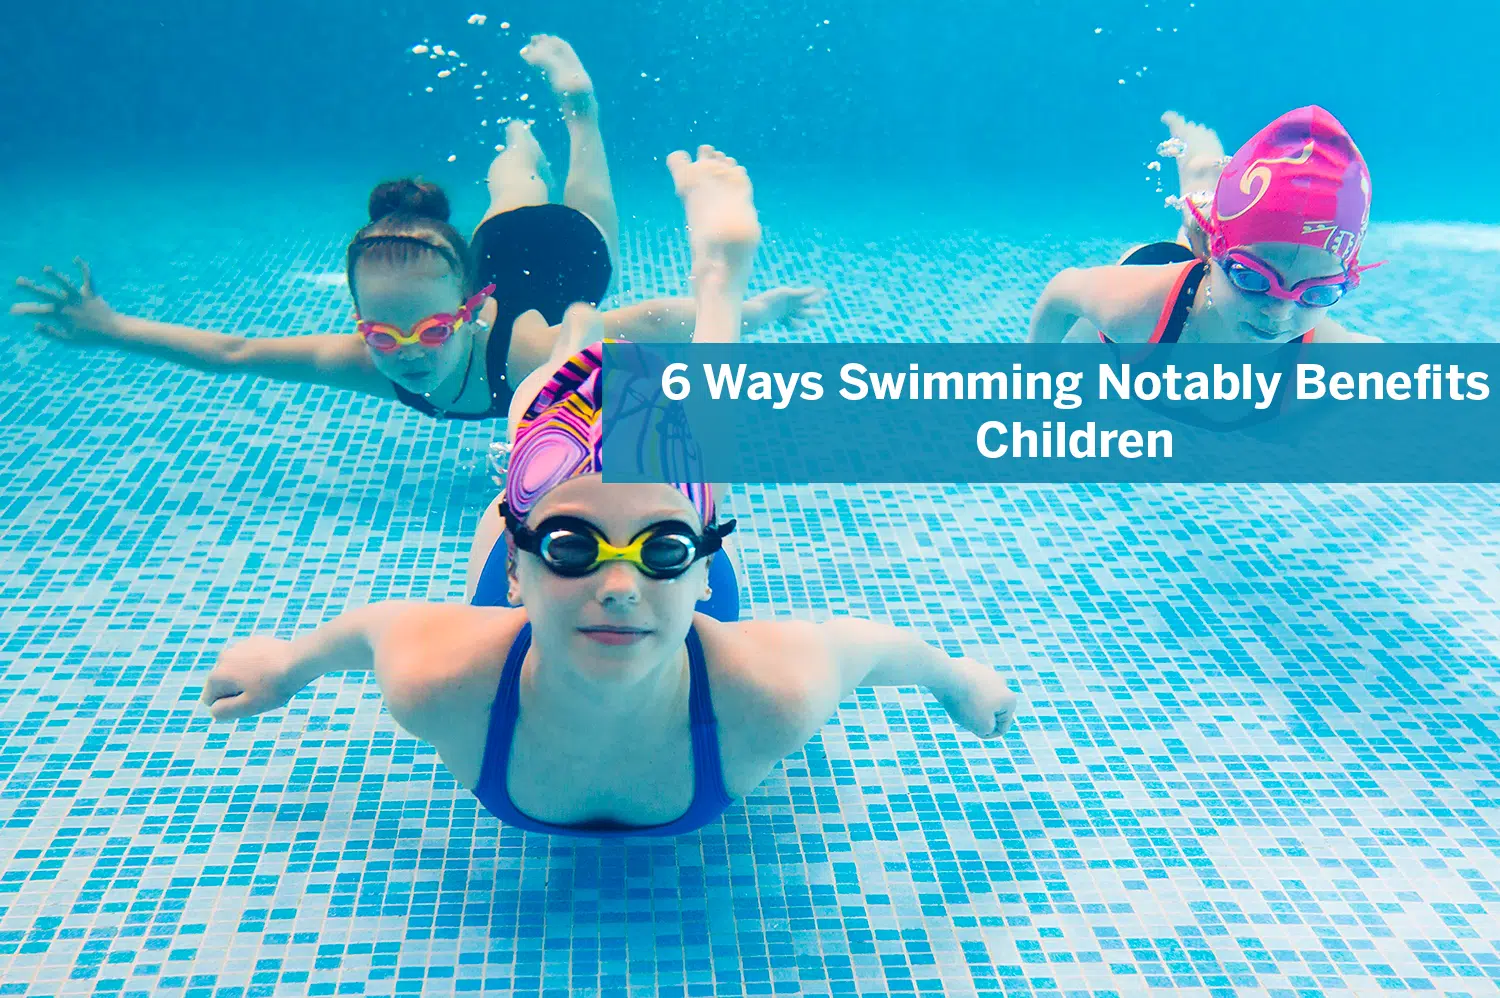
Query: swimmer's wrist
(106, 322)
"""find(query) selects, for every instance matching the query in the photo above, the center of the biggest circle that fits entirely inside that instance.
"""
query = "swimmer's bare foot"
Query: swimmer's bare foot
(565, 74)
(723, 228)
(1201, 160)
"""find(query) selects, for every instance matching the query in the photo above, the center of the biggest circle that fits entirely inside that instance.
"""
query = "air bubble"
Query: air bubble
(1172, 148)
(419, 50)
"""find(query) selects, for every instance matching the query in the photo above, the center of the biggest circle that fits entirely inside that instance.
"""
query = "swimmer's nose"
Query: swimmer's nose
(619, 585)
(1278, 310)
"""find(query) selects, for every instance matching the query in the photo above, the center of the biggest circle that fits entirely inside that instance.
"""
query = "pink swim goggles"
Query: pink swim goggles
(1254, 276)
(433, 331)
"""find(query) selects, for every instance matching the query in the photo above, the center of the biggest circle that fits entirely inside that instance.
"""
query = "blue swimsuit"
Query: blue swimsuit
(710, 798)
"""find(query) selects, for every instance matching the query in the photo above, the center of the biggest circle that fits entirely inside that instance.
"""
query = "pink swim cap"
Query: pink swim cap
(1300, 180)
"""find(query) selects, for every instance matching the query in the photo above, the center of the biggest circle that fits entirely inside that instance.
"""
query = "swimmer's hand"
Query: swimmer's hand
(251, 677)
(67, 311)
(977, 698)
(789, 308)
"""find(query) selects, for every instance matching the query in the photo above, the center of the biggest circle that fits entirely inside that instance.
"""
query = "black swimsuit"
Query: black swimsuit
(543, 257)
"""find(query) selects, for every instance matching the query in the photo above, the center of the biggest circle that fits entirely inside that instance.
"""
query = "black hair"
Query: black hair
(409, 222)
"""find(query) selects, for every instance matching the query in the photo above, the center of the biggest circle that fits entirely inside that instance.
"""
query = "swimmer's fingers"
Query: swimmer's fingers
(232, 708)
(88, 274)
(41, 291)
(71, 291)
(53, 331)
(226, 699)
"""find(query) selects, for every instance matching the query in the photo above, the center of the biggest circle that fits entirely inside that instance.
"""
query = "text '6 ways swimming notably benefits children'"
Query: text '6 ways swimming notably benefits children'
(1069, 390)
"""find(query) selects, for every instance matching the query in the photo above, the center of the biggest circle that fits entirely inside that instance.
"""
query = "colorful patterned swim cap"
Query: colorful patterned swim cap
(561, 436)
(1302, 180)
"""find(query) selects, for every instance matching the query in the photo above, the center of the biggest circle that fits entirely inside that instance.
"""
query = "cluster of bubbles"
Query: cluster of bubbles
(452, 64)
(1140, 73)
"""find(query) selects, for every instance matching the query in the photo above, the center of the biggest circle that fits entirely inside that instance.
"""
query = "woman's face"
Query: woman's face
(615, 623)
(403, 294)
(1264, 318)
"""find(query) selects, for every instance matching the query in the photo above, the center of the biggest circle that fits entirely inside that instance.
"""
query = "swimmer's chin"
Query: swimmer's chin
(423, 382)
(1265, 336)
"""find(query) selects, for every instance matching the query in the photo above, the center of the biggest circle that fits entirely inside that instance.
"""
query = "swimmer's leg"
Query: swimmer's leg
(588, 187)
(518, 175)
(723, 232)
(1198, 167)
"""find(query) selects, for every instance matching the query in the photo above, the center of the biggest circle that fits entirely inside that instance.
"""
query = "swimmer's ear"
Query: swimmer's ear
(1197, 239)
(513, 592)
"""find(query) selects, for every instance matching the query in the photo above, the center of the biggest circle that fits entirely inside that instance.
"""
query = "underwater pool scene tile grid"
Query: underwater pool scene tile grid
(1261, 753)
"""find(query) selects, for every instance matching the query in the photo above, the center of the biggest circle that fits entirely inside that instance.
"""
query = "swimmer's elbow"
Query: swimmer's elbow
(237, 355)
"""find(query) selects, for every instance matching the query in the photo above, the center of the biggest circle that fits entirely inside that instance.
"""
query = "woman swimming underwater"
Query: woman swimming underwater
(1277, 248)
(442, 328)
(604, 704)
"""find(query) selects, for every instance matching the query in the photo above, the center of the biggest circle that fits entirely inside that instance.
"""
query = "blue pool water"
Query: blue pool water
(1261, 753)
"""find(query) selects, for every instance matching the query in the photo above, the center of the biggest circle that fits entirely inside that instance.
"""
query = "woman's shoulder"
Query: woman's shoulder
(771, 681)
(441, 649)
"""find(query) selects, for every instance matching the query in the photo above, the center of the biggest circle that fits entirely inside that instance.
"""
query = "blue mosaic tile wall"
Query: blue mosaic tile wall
(1260, 755)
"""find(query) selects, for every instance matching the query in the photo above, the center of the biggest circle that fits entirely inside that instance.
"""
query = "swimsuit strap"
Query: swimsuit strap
(709, 791)
(503, 714)
(1174, 310)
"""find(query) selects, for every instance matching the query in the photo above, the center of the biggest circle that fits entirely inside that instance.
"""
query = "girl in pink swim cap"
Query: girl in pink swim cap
(1261, 260)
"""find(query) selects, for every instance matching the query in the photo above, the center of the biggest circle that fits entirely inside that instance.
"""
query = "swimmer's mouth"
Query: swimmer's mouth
(1264, 334)
(614, 635)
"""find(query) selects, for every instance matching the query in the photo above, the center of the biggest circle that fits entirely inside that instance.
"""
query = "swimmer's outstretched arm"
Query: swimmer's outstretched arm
(1058, 309)
(74, 313)
(1122, 301)
(804, 670)
(262, 673)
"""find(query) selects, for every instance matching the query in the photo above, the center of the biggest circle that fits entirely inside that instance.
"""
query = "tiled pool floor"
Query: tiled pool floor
(1260, 755)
